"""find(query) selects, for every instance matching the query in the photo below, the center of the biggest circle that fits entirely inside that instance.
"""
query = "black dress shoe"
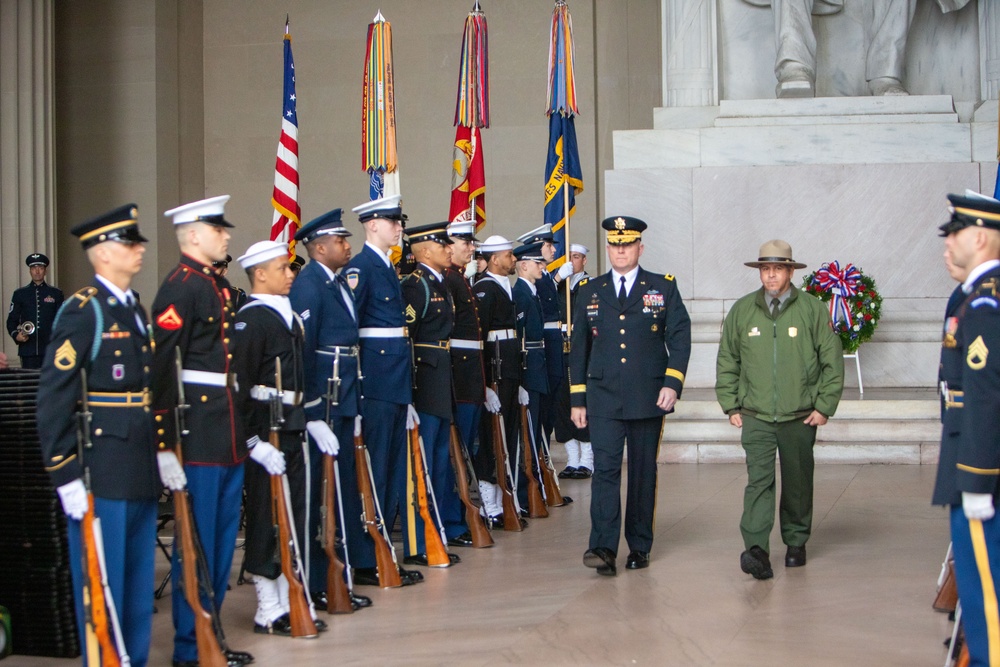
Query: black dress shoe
(602, 559)
(583, 473)
(410, 577)
(280, 626)
(637, 560)
(795, 556)
(185, 663)
(567, 472)
(360, 601)
(319, 599)
(421, 559)
(238, 658)
(755, 562)
(495, 521)
(365, 576)
(463, 540)
(320, 624)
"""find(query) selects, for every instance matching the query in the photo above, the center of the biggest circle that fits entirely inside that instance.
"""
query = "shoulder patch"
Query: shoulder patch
(668, 276)
(353, 276)
(65, 359)
(170, 319)
(84, 295)
(583, 282)
(984, 301)
(411, 314)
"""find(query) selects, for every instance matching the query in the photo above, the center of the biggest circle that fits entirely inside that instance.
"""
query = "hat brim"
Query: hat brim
(783, 262)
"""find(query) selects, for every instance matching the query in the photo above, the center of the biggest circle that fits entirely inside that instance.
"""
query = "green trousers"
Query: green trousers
(794, 442)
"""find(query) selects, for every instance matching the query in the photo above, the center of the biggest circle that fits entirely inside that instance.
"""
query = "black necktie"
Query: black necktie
(621, 291)
(775, 306)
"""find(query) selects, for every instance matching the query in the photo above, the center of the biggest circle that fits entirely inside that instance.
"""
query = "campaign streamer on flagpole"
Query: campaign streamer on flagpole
(378, 112)
(472, 112)
(285, 197)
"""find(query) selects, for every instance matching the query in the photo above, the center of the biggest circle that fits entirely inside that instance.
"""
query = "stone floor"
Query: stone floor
(863, 599)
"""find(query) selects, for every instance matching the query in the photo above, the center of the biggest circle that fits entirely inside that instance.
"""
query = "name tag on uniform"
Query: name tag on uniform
(792, 332)
(754, 332)
(115, 334)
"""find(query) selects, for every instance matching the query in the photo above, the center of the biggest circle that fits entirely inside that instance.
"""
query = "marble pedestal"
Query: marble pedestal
(859, 180)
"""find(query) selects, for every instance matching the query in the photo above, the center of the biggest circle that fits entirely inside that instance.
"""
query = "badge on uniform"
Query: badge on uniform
(652, 299)
(984, 301)
(305, 315)
(118, 371)
(792, 332)
(240, 326)
(754, 332)
(353, 276)
(950, 328)
(49, 299)
(411, 314)
(976, 358)
(65, 358)
(170, 319)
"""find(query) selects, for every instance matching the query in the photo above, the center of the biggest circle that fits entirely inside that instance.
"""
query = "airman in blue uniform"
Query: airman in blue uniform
(32, 311)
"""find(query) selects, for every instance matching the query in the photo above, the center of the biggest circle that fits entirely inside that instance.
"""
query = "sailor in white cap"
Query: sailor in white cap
(267, 330)
(579, 453)
(193, 312)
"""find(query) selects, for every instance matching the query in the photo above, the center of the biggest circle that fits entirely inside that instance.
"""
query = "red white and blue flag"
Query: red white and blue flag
(285, 199)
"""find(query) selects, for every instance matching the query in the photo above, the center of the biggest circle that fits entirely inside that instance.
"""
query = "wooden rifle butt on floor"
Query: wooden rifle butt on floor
(437, 553)
(337, 594)
(536, 504)
(553, 494)
(98, 625)
(511, 517)
(385, 562)
(299, 613)
(947, 595)
(481, 537)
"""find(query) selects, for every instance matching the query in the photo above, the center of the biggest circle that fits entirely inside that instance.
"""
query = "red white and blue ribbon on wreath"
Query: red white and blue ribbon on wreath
(841, 284)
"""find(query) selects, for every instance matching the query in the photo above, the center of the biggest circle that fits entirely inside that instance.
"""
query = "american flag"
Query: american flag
(286, 168)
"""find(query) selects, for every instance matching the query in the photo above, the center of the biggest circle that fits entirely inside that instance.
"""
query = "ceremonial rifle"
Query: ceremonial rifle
(511, 515)
(206, 625)
(385, 553)
(550, 485)
(536, 504)
(434, 542)
(338, 590)
(464, 476)
(299, 612)
(99, 606)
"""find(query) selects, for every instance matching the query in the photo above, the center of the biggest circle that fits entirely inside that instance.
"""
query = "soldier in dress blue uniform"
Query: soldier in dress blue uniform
(430, 317)
(101, 330)
(579, 452)
(323, 300)
(968, 475)
(32, 310)
(194, 311)
(386, 364)
(631, 342)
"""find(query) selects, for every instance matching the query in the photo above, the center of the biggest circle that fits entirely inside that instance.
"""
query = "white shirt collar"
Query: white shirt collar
(329, 272)
(120, 295)
(436, 274)
(531, 285)
(629, 279)
(278, 303)
(385, 257)
(977, 272)
(503, 281)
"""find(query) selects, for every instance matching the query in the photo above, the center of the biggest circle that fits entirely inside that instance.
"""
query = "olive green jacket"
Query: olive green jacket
(779, 369)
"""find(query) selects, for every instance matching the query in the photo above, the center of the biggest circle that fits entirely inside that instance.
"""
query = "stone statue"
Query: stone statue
(885, 41)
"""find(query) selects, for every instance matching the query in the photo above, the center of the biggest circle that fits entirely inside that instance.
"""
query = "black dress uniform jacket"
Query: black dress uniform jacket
(548, 296)
(96, 332)
(468, 380)
(622, 355)
(37, 304)
(970, 365)
(193, 310)
(429, 319)
(497, 312)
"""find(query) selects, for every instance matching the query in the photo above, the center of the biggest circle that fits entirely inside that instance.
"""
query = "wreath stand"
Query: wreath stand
(856, 355)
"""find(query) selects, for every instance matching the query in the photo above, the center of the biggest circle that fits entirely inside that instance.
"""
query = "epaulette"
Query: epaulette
(668, 276)
(990, 286)
(583, 282)
(85, 294)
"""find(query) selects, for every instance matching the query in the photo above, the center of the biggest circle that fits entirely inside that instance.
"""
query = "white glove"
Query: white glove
(171, 471)
(977, 506)
(324, 438)
(265, 454)
(565, 271)
(492, 401)
(74, 499)
(412, 420)
(522, 396)
(357, 426)
(470, 269)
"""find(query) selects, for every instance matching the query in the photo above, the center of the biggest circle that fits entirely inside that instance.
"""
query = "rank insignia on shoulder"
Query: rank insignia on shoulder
(976, 357)
(669, 276)
(84, 295)
(65, 358)
(583, 282)
(305, 314)
(984, 301)
(411, 313)
(170, 319)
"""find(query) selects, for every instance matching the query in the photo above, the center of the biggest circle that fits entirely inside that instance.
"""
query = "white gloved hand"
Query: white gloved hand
(565, 271)
(492, 401)
(470, 269)
(270, 458)
(357, 426)
(74, 499)
(522, 396)
(324, 438)
(171, 471)
(977, 506)
(412, 420)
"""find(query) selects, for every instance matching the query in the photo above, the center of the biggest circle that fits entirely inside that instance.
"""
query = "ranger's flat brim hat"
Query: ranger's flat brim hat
(328, 224)
(971, 210)
(386, 207)
(210, 211)
(495, 243)
(543, 233)
(463, 229)
(436, 232)
(36, 259)
(623, 229)
(530, 252)
(120, 224)
(261, 252)
(775, 252)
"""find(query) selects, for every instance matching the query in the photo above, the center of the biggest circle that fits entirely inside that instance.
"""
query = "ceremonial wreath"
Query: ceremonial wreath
(855, 304)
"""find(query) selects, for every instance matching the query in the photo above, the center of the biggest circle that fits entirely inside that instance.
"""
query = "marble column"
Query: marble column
(27, 156)
(989, 49)
(690, 55)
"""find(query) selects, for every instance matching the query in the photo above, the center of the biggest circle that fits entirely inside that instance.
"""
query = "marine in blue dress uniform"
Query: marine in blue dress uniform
(968, 475)
(325, 304)
(386, 364)
(32, 311)
(630, 347)
(430, 320)
(193, 311)
(98, 330)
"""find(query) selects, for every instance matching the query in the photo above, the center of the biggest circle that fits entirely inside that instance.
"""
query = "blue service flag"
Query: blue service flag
(561, 166)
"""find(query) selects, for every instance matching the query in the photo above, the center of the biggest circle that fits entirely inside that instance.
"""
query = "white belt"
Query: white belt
(553, 325)
(466, 344)
(345, 350)
(206, 377)
(534, 344)
(264, 393)
(500, 334)
(382, 332)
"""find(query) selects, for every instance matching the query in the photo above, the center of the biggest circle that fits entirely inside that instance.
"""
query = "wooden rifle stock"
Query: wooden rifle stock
(338, 596)
(437, 553)
(481, 537)
(536, 504)
(385, 562)
(299, 612)
(511, 517)
(95, 606)
(946, 599)
(553, 494)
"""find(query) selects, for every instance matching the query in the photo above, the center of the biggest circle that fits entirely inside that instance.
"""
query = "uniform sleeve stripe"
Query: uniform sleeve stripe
(578, 389)
(60, 465)
(674, 373)
(978, 471)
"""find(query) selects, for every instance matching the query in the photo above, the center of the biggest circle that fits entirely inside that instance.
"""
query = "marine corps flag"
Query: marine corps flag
(472, 111)
(468, 178)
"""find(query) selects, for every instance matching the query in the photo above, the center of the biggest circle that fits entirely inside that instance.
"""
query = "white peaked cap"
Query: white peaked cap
(384, 203)
(208, 210)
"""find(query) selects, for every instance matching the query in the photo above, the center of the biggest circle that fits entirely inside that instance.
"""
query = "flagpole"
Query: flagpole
(569, 314)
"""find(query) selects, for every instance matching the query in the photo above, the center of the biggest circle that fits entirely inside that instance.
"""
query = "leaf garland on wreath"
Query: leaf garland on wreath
(855, 304)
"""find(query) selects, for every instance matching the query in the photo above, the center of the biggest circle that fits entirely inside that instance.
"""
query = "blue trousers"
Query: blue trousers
(976, 547)
(467, 417)
(216, 493)
(384, 428)
(129, 529)
(436, 434)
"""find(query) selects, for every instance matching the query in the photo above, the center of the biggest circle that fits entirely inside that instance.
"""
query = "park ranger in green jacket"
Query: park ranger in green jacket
(779, 375)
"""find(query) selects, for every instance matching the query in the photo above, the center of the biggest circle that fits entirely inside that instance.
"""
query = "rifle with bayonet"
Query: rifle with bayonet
(465, 480)
(338, 590)
(434, 542)
(385, 553)
(511, 515)
(536, 504)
